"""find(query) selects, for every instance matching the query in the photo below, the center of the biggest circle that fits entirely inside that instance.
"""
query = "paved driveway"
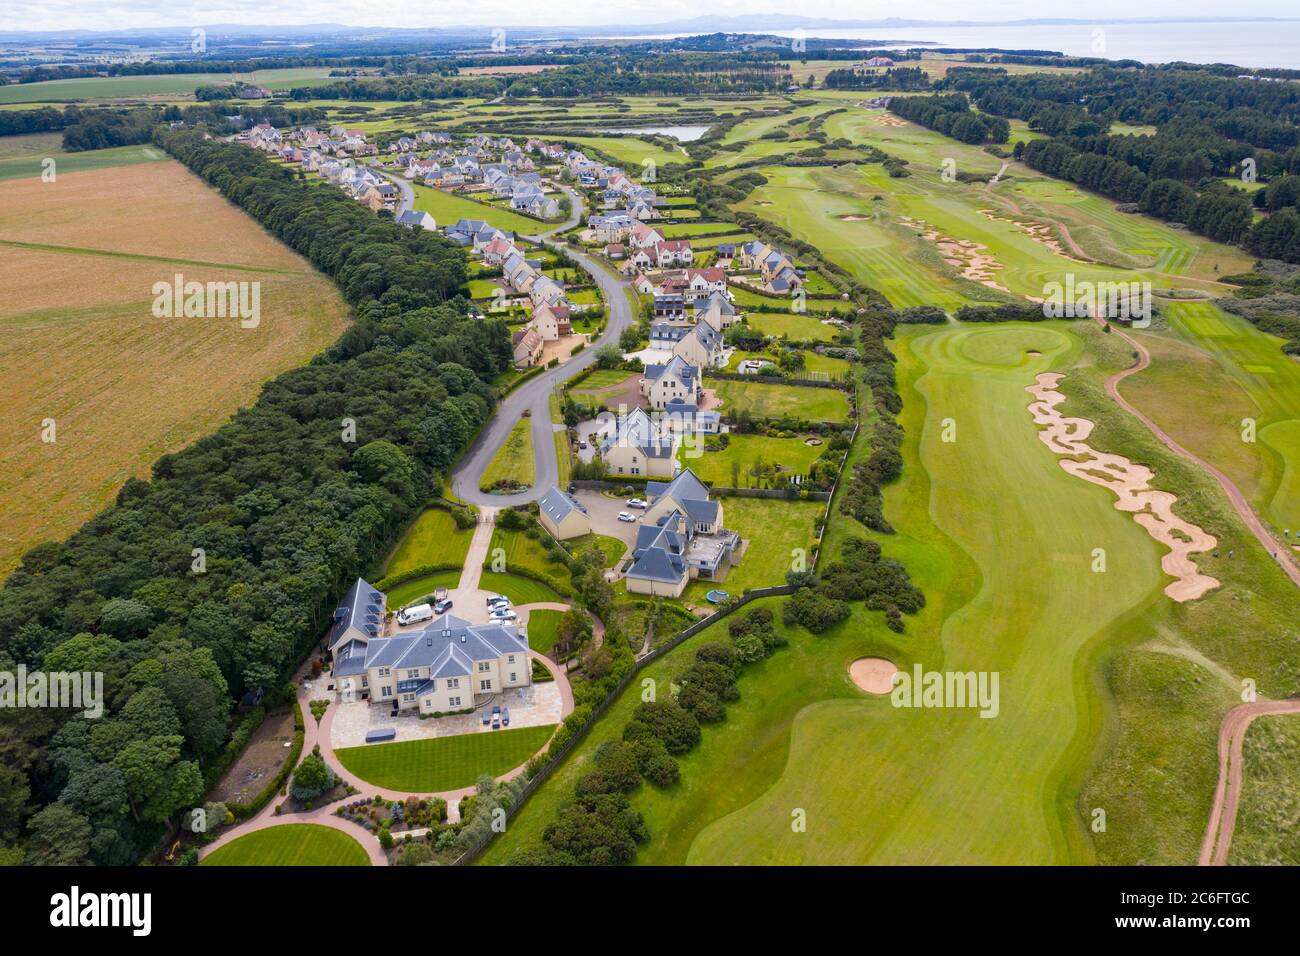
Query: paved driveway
(604, 514)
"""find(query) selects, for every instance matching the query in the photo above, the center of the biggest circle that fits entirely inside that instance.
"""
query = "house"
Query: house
(608, 229)
(615, 250)
(636, 447)
(358, 617)
(527, 346)
(878, 61)
(563, 515)
(475, 232)
(706, 281)
(674, 380)
(682, 537)
(448, 665)
(551, 322)
(724, 254)
(776, 271)
(641, 236)
(717, 310)
(700, 344)
(417, 220)
(670, 308)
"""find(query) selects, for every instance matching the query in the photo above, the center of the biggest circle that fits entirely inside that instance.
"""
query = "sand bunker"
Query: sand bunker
(852, 217)
(875, 675)
(889, 119)
(1151, 509)
(1040, 232)
(963, 254)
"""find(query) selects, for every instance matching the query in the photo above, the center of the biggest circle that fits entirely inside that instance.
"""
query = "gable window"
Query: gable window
(484, 667)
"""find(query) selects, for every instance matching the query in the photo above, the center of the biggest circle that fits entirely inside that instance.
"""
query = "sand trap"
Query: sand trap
(1131, 483)
(1040, 232)
(875, 675)
(1033, 352)
(963, 254)
(852, 217)
(888, 119)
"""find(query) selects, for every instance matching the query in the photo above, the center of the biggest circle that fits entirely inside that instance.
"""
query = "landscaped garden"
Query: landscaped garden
(746, 460)
(291, 844)
(762, 400)
(435, 764)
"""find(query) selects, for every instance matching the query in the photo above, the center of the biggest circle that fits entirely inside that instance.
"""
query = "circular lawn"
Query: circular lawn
(291, 844)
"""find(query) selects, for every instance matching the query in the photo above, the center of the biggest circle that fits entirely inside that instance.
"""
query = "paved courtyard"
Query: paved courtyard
(532, 706)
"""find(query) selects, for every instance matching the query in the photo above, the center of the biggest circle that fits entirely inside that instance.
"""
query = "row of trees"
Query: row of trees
(217, 574)
(950, 114)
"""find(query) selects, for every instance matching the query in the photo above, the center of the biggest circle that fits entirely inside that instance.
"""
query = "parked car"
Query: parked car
(506, 616)
(415, 614)
(495, 599)
(626, 516)
(496, 718)
(505, 717)
(443, 606)
(487, 718)
(637, 503)
(582, 446)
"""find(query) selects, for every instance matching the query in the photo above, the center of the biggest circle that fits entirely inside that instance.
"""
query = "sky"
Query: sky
(119, 14)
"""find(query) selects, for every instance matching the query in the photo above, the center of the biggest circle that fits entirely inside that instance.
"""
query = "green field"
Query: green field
(436, 764)
(404, 594)
(22, 167)
(796, 326)
(513, 461)
(542, 627)
(630, 151)
(779, 534)
(1270, 803)
(291, 844)
(432, 539)
(526, 556)
(447, 209)
(519, 589)
(715, 467)
(779, 401)
(174, 85)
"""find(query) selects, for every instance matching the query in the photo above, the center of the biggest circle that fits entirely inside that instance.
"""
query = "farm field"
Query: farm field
(761, 400)
(27, 164)
(80, 257)
(436, 764)
(291, 844)
(166, 86)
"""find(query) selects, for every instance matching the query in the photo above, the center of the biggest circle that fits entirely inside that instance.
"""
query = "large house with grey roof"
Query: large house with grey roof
(444, 666)
(636, 445)
(681, 538)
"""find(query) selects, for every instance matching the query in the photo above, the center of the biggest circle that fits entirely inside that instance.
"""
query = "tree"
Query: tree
(60, 836)
(312, 778)
(608, 356)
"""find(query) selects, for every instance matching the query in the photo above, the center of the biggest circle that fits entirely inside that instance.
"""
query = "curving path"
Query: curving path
(1227, 795)
(1247, 514)
(534, 395)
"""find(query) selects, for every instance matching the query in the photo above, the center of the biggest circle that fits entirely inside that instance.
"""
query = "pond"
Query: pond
(683, 134)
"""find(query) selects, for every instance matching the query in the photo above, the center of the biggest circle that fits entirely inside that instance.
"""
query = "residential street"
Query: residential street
(534, 394)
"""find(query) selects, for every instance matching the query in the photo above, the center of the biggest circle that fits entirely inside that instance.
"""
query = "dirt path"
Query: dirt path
(1238, 500)
(1227, 795)
(1131, 483)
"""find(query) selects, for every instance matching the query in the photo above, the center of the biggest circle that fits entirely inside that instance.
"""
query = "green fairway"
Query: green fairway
(435, 764)
(291, 844)
(432, 539)
(22, 167)
(447, 209)
(512, 465)
(762, 400)
(1211, 372)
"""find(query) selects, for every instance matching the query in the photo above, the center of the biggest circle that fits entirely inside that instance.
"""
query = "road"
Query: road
(534, 395)
(407, 202)
(1277, 550)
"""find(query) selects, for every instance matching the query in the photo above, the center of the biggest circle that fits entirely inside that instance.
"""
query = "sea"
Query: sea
(1255, 44)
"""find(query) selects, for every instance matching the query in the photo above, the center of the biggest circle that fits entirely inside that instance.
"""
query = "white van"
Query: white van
(415, 614)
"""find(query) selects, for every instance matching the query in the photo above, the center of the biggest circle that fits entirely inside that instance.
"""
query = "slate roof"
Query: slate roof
(449, 645)
(558, 505)
(362, 609)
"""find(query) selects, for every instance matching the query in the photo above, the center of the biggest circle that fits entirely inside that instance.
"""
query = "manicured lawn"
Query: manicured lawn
(291, 844)
(747, 298)
(761, 400)
(435, 764)
(775, 529)
(542, 627)
(447, 208)
(603, 378)
(432, 539)
(527, 556)
(420, 587)
(520, 590)
(513, 461)
(800, 327)
(611, 549)
(715, 467)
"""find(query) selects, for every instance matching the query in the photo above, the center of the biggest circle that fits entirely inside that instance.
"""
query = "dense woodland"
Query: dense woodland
(217, 575)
